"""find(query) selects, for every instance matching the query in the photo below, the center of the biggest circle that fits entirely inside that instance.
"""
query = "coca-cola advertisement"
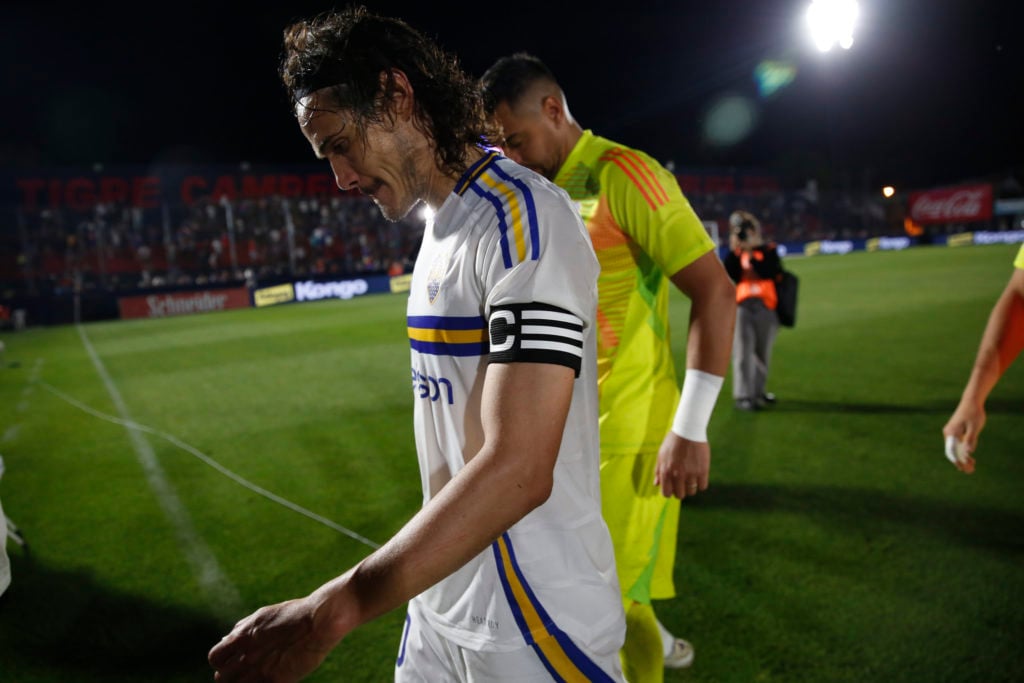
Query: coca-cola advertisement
(960, 204)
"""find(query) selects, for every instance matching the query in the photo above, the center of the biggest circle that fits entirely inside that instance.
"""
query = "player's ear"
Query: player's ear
(552, 110)
(399, 93)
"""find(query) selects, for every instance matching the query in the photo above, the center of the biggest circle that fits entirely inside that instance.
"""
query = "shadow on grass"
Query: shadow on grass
(860, 510)
(934, 408)
(67, 621)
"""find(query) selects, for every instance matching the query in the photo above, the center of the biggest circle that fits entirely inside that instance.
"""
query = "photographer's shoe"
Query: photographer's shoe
(746, 404)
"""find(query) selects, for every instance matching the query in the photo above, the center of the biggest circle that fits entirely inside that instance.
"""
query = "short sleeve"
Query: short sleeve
(1019, 261)
(648, 205)
(540, 299)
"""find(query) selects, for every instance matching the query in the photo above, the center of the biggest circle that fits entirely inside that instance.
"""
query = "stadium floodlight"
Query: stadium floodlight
(831, 22)
(888, 191)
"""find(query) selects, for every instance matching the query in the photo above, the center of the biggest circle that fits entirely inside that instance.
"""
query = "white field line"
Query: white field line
(211, 578)
(238, 479)
(11, 433)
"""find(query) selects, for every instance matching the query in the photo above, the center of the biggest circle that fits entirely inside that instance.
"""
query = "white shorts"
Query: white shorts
(425, 656)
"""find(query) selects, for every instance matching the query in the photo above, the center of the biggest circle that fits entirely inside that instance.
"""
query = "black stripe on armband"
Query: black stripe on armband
(536, 333)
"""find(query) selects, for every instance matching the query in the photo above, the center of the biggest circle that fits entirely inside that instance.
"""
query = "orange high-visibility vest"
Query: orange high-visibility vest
(751, 286)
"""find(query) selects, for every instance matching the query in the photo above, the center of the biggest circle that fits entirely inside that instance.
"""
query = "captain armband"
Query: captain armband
(536, 333)
(700, 392)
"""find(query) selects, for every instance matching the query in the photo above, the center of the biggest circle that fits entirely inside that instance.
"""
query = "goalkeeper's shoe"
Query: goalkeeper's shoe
(681, 655)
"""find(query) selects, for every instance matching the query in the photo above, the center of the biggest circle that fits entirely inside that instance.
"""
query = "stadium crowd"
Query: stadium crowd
(120, 247)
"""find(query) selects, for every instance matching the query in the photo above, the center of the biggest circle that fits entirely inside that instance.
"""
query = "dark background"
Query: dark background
(929, 94)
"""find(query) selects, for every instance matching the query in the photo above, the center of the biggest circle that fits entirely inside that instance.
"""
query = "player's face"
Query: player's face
(378, 161)
(530, 139)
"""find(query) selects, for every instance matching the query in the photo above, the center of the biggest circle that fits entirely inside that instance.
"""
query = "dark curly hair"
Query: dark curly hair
(351, 50)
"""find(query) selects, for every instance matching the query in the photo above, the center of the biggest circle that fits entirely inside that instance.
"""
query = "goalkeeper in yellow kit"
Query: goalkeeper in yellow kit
(654, 448)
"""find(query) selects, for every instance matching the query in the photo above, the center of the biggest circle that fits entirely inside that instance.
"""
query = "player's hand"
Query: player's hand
(961, 434)
(281, 643)
(683, 465)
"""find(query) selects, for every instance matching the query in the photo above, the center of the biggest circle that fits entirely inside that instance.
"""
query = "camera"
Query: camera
(744, 230)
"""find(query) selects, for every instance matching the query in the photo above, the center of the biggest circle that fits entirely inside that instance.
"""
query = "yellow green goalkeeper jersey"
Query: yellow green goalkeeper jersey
(1019, 261)
(643, 230)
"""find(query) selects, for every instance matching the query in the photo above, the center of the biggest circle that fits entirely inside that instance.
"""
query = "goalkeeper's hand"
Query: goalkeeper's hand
(961, 435)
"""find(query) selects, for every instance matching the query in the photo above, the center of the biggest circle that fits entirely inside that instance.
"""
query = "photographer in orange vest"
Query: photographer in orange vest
(755, 267)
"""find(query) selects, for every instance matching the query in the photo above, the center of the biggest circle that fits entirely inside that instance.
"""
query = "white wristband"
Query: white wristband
(700, 391)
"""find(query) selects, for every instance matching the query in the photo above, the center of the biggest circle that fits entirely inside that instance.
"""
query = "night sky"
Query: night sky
(931, 93)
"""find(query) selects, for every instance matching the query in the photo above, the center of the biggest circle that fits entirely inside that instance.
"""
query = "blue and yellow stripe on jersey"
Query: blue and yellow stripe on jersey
(448, 335)
(513, 203)
(560, 656)
(474, 171)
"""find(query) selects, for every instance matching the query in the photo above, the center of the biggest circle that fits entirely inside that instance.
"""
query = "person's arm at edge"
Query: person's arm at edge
(524, 408)
(1001, 342)
(708, 349)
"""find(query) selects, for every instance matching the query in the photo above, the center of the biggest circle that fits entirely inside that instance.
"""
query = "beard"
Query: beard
(415, 185)
(394, 213)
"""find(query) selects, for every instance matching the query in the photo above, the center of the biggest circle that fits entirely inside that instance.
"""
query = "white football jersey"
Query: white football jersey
(506, 273)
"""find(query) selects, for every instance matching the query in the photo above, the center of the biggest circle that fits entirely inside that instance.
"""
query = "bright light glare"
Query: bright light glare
(773, 75)
(888, 191)
(832, 22)
(426, 213)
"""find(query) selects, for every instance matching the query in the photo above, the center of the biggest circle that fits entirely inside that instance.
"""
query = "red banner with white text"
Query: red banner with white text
(959, 204)
(182, 303)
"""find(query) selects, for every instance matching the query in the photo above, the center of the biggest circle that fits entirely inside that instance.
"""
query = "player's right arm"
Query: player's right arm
(1002, 341)
(524, 409)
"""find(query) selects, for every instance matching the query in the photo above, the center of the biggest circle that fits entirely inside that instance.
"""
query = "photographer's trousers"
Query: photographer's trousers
(756, 327)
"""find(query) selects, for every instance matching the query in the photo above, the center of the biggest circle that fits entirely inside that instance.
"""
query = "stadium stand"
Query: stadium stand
(132, 231)
(117, 247)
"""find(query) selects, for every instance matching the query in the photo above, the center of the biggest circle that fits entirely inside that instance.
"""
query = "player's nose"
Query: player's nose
(344, 175)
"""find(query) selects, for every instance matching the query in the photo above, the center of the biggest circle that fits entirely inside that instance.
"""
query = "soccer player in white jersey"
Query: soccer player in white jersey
(508, 568)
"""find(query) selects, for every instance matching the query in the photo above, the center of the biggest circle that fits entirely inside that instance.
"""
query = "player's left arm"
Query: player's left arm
(685, 454)
(646, 201)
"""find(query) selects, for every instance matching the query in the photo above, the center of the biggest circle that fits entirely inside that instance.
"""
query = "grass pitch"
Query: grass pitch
(835, 543)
